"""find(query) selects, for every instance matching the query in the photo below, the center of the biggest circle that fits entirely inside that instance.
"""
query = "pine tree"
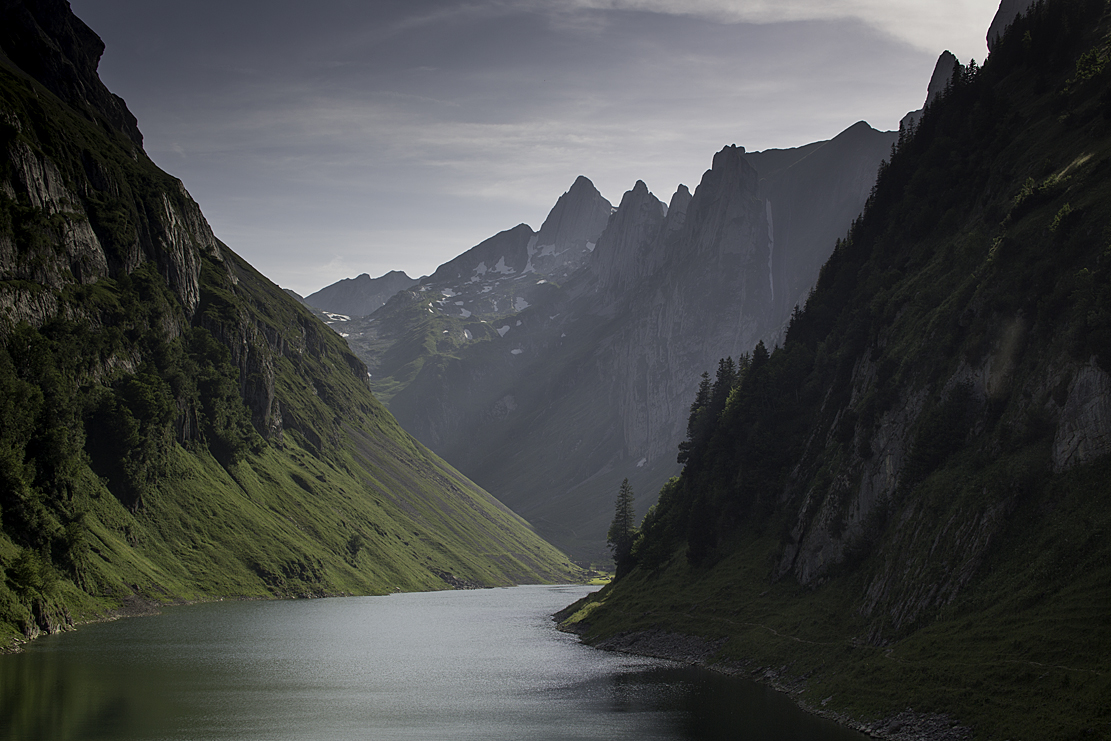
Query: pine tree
(697, 419)
(623, 531)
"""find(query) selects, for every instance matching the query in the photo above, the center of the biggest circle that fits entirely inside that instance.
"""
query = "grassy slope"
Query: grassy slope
(1022, 649)
(344, 502)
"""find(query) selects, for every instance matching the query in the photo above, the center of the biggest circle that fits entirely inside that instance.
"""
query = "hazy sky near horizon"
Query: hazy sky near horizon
(327, 139)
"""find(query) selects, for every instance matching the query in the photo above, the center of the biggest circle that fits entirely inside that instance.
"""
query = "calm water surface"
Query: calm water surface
(443, 665)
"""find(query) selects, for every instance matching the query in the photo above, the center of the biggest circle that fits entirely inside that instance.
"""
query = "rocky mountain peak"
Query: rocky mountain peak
(677, 209)
(570, 232)
(50, 44)
(939, 80)
(626, 249)
(505, 253)
(726, 207)
(943, 73)
(727, 156)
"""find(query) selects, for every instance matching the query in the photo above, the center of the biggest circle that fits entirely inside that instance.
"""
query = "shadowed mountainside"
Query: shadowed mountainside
(906, 504)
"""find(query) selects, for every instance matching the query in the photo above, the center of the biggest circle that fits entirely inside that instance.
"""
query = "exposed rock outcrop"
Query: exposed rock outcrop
(1084, 426)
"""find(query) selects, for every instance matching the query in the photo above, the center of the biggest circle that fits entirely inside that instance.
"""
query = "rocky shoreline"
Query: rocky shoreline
(907, 725)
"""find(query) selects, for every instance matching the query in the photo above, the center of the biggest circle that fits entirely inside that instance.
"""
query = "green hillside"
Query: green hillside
(173, 426)
(906, 506)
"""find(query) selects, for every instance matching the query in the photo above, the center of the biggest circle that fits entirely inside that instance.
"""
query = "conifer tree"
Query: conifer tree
(623, 531)
(697, 419)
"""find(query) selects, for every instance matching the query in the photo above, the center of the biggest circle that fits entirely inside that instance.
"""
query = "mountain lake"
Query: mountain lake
(484, 664)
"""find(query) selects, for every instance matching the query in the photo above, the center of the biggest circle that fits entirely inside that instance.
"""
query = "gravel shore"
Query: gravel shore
(907, 725)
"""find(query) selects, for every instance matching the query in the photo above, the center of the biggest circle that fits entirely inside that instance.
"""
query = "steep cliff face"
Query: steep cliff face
(706, 290)
(173, 425)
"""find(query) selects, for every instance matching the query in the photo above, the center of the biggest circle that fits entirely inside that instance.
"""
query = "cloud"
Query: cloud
(931, 26)
(364, 137)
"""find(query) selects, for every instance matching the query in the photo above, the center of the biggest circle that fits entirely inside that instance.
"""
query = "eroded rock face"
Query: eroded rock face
(1084, 426)
(46, 42)
(693, 290)
(173, 233)
(82, 257)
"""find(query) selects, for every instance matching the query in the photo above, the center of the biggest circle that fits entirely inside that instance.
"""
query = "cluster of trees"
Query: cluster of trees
(742, 429)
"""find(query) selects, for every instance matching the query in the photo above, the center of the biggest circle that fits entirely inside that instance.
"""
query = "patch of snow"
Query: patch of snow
(641, 462)
(563, 335)
(448, 293)
(467, 334)
(541, 282)
(502, 268)
(552, 317)
(458, 303)
(480, 269)
(344, 334)
(487, 289)
(445, 331)
(337, 317)
(516, 351)
(518, 322)
(589, 246)
(503, 330)
(547, 249)
(465, 313)
(431, 312)
(519, 304)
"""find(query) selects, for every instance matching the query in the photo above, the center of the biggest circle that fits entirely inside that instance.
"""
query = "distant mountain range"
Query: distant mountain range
(359, 296)
(551, 365)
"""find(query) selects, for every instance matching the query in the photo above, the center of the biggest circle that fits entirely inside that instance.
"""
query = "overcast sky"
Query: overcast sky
(330, 138)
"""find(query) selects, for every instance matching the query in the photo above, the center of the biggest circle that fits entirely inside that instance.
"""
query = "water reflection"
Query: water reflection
(454, 665)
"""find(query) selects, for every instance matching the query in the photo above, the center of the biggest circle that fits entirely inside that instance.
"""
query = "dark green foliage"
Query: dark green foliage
(224, 421)
(623, 531)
